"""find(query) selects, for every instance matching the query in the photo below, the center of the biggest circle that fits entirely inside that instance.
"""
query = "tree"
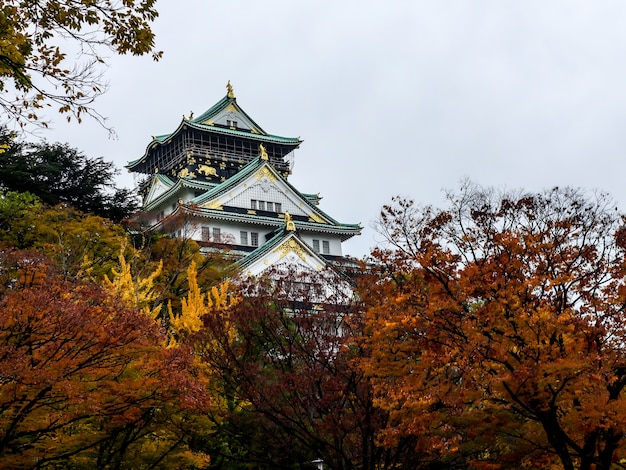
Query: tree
(287, 373)
(57, 173)
(496, 329)
(81, 245)
(39, 38)
(85, 381)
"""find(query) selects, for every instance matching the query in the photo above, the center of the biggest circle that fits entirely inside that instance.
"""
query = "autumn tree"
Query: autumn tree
(177, 254)
(496, 329)
(52, 51)
(283, 362)
(85, 381)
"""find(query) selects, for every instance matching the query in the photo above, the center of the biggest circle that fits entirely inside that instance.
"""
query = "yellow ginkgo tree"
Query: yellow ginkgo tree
(137, 291)
(197, 304)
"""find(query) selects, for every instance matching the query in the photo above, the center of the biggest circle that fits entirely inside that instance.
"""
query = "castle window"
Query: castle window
(325, 247)
(316, 246)
(265, 205)
(254, 238)
(206, 234)
(243, 237)
(217, 235)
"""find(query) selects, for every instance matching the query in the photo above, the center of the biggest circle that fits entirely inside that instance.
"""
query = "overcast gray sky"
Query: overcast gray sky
(396, 97)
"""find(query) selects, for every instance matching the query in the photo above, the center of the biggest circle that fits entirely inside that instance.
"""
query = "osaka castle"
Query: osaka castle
(226, 179)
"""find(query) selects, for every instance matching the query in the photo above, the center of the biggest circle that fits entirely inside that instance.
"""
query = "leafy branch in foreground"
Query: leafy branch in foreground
(52, 52)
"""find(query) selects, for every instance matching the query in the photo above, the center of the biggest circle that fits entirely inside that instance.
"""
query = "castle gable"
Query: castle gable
(159, 186)
(262, 189)
(233, 117)
(284, 249)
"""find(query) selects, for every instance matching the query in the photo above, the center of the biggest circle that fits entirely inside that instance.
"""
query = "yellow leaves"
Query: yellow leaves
(136, 292)
(197, 304)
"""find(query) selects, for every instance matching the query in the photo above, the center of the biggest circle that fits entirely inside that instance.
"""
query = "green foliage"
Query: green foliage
(57, 173)
(82, 245)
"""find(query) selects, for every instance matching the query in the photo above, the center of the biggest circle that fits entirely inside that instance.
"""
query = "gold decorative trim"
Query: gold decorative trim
(291, 246)
(214, 205)
(229, 90)
(207, 170)
(263, 152)
(317, 218)
(289, 225)
(265, 172)
(184, 173)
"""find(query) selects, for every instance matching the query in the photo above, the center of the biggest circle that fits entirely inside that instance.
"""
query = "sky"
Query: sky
(391, 98)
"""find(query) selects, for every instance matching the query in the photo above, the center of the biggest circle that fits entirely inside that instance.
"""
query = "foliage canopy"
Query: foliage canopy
(496, 328)
(57, 173)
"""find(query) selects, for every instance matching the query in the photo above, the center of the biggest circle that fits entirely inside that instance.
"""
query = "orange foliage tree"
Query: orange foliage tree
(84, 380)
(496, 330)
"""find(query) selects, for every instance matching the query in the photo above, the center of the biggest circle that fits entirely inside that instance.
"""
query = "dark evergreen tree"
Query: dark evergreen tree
(58, 173)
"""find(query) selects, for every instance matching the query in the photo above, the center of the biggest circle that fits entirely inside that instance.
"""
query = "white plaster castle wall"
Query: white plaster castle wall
(267, 193)
(230, 232)
(334, 241)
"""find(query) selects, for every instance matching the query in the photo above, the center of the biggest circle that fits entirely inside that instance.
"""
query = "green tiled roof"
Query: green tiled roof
(219, 107)
(346, 230)
(174, 186)
(198, 123)
(224, 187)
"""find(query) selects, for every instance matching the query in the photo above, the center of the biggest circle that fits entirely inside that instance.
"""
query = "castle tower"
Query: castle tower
(228, 180)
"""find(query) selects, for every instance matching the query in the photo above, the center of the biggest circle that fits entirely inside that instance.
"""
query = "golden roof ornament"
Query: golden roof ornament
(263, 152)
(190, 115)
(289, 224)
(229, 88)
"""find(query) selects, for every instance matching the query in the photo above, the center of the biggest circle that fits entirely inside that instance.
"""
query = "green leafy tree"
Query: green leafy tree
(39, 38)
(57, 173)
(82, 245)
